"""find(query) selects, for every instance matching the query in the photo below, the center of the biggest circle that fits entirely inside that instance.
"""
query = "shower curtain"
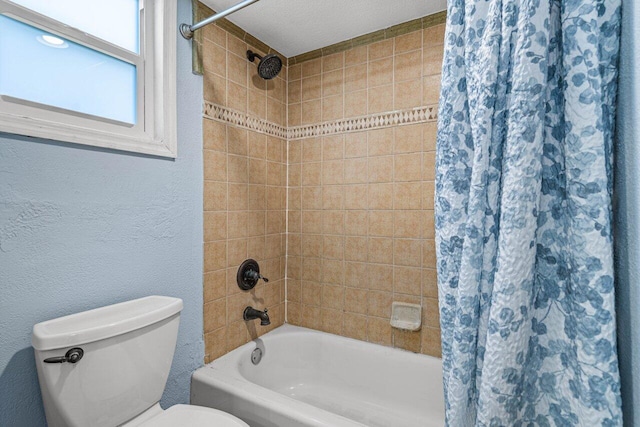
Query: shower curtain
(523, 213)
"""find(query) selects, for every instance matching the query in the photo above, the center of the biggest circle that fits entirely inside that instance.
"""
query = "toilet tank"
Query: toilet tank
(128, 349)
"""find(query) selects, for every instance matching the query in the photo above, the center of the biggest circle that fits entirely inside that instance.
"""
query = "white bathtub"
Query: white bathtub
(311, 378)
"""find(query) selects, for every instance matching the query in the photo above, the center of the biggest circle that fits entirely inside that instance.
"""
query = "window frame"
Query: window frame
(155, 129)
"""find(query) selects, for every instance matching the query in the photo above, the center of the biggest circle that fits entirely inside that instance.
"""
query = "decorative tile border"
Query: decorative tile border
(424, 114)
(373, 121)
(243, 120)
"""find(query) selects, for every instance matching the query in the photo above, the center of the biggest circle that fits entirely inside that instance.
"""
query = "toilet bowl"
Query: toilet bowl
(108, 367)
(186, 415)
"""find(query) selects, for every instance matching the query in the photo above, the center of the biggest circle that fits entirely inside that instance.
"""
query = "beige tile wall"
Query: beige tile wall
(360, 219)
(244, 195)
(360, 205)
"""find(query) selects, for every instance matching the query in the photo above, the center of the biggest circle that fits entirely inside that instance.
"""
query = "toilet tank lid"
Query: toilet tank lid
(103, 322)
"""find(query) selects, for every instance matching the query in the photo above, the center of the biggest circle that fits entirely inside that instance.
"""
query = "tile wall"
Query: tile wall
(358, 206)
(244, 194)
(360, 219)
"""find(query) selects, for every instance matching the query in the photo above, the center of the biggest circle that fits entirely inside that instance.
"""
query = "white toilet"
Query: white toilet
(108, 367)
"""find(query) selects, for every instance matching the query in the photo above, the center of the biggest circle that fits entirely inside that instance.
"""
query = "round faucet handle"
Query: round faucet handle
(255, 275)
(249, 274)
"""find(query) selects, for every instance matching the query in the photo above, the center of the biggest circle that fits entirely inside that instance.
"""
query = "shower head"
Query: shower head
(269, 65)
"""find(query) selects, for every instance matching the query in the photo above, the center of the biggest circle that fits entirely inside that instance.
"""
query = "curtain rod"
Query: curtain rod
(187, 30)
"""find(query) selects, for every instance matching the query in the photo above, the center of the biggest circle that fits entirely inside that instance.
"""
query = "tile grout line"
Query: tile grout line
(286, 209)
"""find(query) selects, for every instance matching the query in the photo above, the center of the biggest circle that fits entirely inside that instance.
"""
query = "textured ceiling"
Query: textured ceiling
(293, 27)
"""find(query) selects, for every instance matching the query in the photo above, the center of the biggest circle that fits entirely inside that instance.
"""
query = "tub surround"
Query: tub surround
(360, 195)
(244, 191)
(347, 142)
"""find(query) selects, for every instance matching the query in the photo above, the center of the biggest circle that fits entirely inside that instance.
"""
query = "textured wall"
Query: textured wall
(360, 232)
(627, 193)
(83, 227)
(244, 193)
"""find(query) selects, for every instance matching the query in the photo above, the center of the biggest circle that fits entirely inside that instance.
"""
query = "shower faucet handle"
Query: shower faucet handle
(255, 275)
(249, 274)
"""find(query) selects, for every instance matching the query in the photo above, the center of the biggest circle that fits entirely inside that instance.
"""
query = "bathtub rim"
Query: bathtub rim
(233, 382)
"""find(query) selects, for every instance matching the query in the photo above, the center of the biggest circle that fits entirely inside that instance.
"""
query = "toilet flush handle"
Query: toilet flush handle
(72, 356)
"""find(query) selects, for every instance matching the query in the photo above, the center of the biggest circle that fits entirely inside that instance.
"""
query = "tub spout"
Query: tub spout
(251, 313)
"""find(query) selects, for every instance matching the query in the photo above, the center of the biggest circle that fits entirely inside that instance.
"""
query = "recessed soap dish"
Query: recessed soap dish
(406, 316)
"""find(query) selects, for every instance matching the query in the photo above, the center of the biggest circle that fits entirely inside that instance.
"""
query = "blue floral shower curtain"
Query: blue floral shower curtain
(523, 213)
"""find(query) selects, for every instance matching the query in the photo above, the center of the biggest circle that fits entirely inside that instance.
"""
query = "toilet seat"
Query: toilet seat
(193, 416)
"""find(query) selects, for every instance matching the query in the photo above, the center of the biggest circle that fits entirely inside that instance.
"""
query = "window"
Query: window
(96, 73)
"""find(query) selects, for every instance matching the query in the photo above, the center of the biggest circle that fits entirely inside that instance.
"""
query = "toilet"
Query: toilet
(109, 366)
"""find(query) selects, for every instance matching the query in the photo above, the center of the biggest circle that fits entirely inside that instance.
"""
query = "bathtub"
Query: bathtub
(311, 378)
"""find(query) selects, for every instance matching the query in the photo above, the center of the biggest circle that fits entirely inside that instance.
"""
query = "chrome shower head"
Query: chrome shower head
(269, 65)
